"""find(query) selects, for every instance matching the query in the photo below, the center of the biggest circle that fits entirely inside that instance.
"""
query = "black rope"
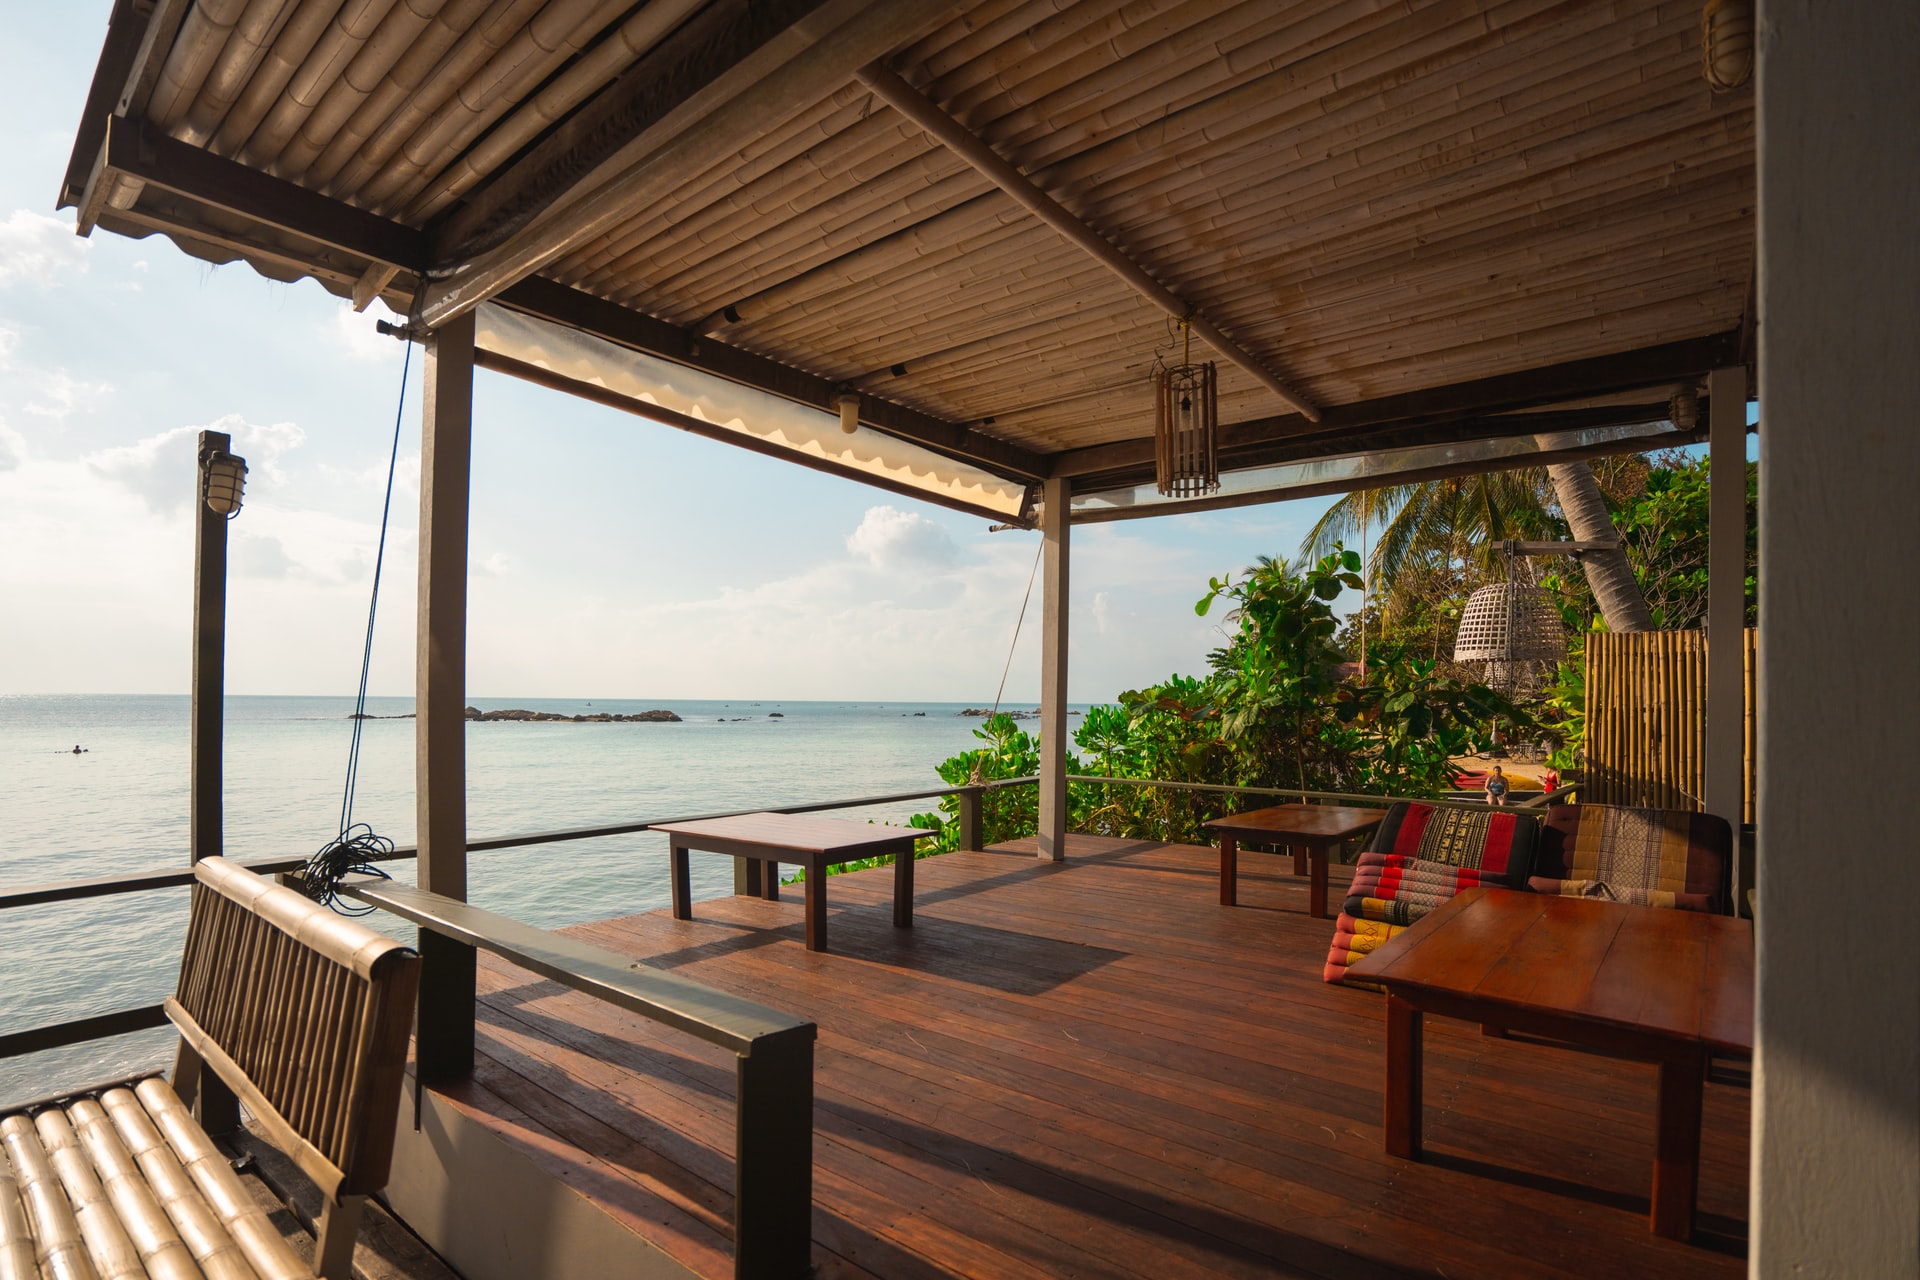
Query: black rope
(357, 848)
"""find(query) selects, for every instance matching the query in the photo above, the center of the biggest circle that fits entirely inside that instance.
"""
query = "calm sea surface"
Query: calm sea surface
(122, 806)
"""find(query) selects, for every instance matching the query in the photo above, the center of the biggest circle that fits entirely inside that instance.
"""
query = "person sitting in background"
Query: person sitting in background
(1497, 788)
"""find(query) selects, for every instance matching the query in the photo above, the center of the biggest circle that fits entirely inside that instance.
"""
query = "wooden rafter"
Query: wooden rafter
(134, 149)
(728, 99)
(1529, 388)
(950, 133)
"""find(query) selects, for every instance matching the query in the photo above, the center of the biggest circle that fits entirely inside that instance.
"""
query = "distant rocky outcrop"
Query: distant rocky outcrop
(599, 717)
(368, 715)
(1011, 715)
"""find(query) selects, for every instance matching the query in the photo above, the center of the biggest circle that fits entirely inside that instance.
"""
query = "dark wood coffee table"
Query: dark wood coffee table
(1662, 986)
(1309, 829)
(802, 840)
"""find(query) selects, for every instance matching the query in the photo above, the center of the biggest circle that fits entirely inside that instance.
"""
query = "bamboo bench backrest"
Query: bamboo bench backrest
(304, 1014)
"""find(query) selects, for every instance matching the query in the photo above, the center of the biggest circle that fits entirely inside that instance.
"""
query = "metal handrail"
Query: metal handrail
(1372, 801)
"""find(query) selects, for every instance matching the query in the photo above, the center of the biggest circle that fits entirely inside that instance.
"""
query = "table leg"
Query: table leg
(1229, 870)
(816, 907)
(682, 877)
(1299, 853)
(1676, 1161)
(1403, 1079)
(769, 880)
(1317, 887)
(903, 890)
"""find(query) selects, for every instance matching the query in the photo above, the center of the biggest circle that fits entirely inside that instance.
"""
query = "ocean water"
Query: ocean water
(121, 806)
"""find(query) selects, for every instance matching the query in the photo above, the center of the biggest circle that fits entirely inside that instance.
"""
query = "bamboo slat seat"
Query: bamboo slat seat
(298, 1013)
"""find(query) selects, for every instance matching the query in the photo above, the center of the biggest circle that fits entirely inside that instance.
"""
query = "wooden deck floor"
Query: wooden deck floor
(1095, 1070)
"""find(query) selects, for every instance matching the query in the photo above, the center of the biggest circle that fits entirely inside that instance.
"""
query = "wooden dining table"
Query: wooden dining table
(1309, 830)
(798, 839)
(1663, 986)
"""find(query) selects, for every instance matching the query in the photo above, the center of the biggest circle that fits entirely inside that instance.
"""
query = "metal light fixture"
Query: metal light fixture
(1185, 426)
(1726, 43)
(849, 406)
(1683, 409)
(223, 482)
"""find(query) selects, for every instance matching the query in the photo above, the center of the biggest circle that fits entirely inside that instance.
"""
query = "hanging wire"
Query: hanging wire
(357, 848)
(1032, 573)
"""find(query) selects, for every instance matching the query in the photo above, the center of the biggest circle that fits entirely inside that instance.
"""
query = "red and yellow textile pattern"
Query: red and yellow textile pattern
(1398, 890)
(1456, 837)
(1352, 939)
(1651, 857)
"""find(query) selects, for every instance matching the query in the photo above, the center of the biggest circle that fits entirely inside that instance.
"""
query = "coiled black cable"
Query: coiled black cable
(355, 850)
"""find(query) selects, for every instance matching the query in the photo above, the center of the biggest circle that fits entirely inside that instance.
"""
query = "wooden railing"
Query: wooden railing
(773, 1102)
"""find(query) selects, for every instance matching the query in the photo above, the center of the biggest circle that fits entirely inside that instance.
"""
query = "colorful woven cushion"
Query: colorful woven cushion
(1421, 856)
(1352, 939)
(1653, 857)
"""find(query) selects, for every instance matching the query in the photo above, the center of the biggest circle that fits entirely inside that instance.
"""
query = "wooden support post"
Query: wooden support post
(1053, 673)
(1724, 786)
(216, 1107)
(444, 1049)
(205, 837)
(970, 817)
(773, 1156)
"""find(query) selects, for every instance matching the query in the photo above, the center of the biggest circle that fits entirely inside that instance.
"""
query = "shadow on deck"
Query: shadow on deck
(1092, 1068)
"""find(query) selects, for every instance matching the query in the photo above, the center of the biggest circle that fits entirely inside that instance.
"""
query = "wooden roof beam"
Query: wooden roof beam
(950, 133)
(1529, 388)
(135, 150)
(720, 95)
(139, 32)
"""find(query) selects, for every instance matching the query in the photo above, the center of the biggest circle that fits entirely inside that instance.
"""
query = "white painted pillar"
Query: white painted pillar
(1053, 673)
(1727, 600)
(1836, 1091)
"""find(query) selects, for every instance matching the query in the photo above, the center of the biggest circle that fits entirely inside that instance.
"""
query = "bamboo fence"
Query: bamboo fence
(1646, 719)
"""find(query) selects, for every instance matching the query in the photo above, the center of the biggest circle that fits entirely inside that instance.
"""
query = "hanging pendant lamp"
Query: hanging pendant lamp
(1185, 426)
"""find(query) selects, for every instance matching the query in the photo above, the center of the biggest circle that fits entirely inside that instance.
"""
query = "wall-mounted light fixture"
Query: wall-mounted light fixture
(223, 481)
(849, 406)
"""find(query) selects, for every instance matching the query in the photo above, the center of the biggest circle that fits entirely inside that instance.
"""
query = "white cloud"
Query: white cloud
(60, 394)
(260, 555)
(9, 339)
(13, 448)
(355, 336)
(36, 249)
(161, 467)
(895, 540)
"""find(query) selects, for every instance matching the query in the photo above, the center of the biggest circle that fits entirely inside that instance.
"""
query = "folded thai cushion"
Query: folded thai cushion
(1352, 939)
(1421, 856)
(1652, 857)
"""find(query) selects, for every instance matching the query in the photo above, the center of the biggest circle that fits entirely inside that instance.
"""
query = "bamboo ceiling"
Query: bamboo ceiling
(1371, 200)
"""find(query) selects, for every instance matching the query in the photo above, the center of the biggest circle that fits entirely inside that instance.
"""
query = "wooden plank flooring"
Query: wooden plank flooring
(1093, 1069)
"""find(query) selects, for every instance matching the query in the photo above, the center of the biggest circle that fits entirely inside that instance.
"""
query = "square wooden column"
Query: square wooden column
(1725, 782)
(1836, 1098)
(1053, 672)
(444, 1049)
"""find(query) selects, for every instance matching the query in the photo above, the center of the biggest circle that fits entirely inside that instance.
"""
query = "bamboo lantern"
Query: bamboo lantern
(1185, 427)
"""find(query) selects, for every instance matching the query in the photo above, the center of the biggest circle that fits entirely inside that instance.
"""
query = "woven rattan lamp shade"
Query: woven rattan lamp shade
(1537, 633)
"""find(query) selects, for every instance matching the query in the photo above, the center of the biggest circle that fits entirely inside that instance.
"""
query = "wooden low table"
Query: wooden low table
(801, 840)
(1315, 828)
(1663, 986)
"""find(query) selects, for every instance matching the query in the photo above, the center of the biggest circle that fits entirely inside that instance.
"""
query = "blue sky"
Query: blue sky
(610, 556)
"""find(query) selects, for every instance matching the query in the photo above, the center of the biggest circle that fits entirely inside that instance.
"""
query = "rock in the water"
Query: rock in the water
(658, 716)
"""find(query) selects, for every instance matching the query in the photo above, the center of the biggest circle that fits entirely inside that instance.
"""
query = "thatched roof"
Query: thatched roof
(1415, 219)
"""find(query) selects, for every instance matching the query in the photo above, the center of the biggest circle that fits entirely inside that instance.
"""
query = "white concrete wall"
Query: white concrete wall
(1837, 1082)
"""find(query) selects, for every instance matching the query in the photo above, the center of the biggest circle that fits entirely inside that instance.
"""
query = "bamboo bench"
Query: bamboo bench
(299, 1014)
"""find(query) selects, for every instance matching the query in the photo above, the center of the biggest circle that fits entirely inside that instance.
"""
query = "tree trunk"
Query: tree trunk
(1608, 573)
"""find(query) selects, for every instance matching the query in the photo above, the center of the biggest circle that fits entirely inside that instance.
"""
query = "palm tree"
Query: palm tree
(1460, 522)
